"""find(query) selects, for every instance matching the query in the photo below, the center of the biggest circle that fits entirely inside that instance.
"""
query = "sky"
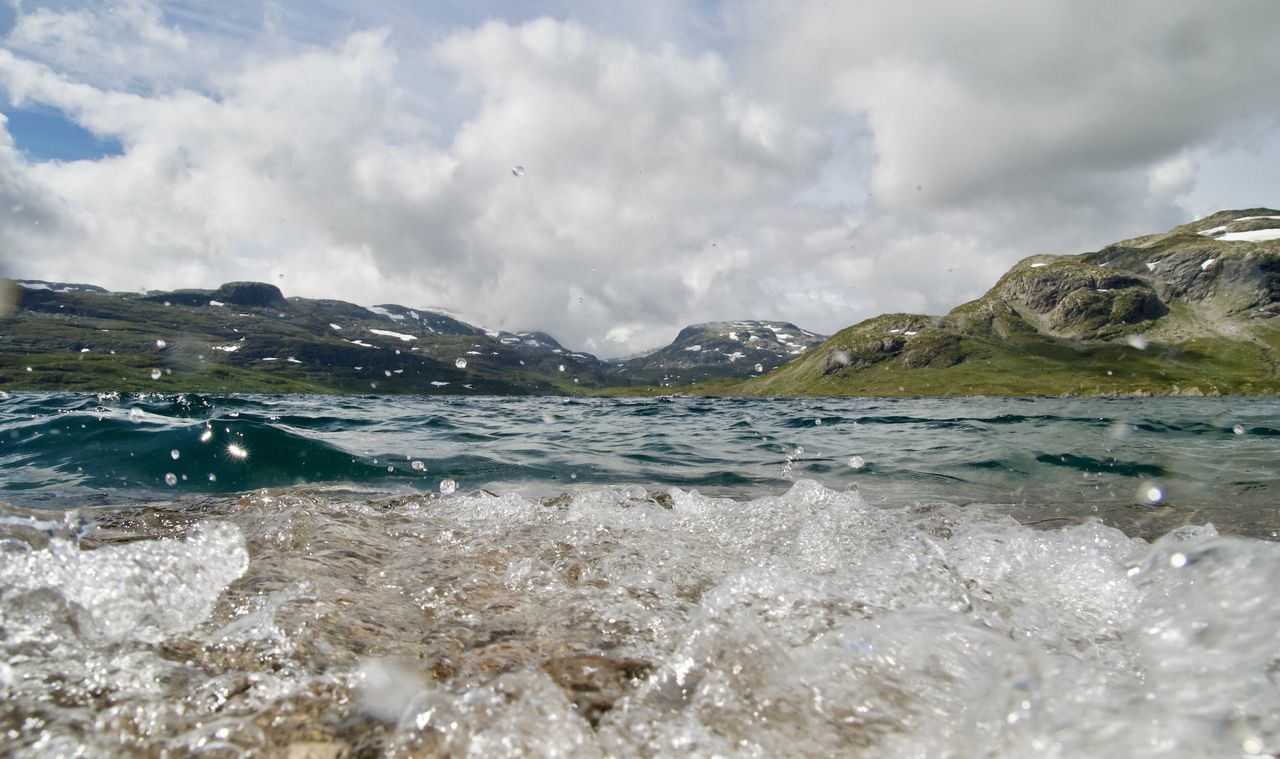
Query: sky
(610, 172)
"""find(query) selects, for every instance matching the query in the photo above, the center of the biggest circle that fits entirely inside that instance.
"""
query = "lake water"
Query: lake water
(329, 576)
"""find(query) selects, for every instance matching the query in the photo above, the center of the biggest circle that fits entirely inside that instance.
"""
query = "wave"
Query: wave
(628, 621)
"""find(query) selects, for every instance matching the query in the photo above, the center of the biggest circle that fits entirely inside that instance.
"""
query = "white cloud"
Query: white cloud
(822, 166)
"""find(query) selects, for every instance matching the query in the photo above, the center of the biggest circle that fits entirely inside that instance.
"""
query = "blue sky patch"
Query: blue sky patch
(45, 134)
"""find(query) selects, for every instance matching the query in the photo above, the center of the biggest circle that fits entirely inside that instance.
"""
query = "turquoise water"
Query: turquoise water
(1208, 459)
(327, 576)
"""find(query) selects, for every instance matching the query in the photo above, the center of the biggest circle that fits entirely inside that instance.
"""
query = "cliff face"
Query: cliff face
(1189, 311)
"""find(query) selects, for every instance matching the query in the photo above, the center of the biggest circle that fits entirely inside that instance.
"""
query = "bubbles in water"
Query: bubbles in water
(447, 486)
(857, 462)
(517, 171)
(1238, 429)
(171, 479)
(155, 374)
(418, 466)
(1137, 341)
(460, 363)
(161, 344)
(173, 454)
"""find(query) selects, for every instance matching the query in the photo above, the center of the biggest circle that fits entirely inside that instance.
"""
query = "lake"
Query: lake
(332, 575)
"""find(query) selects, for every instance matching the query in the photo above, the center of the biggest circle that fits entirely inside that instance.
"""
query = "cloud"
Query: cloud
(820, 165)
(314, 165)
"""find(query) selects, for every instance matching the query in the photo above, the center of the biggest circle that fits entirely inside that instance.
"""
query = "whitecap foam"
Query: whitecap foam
(631, 622)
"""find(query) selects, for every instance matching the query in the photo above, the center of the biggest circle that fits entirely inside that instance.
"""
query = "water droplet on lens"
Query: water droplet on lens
(282, 276)
(1151, 494)
(173, 454)
(155, 374)
(206, 436)
(447, 486)
(562, 367)
(171, 479)
(387, 372)
(517, 171)
(418, 466)
(161, 344)
(759, 368)
(1178, 560)
(213, 477)
(1238, 429)
(857, 462)
(460, 363)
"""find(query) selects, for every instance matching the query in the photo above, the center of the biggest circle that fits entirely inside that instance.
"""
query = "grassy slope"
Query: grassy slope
(1043, 367)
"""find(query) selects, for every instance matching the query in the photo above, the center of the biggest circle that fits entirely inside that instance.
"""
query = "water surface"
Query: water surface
(255, 574)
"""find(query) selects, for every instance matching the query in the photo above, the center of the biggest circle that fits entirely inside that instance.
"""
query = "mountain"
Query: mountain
(1191, 311)
(248, 337)
(714, 350)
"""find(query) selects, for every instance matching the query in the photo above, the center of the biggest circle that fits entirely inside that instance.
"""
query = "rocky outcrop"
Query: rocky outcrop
(251, 294)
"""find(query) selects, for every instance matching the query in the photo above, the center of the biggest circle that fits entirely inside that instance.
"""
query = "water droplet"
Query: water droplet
(161, 344)
(547, 418)
(418, 466)
(206, 436)
(391, 469)
(1178, 560)
(237, 451)
(817, 422)
(447, 486)
(155, 374)
(460, 363)
(387, 372)
(1151, 493)
(135, 414)
(171, 479)
(857, 462)
(517, 171)
(282, 276)
(1238, 429)
(173, 454)
(1137, 341)
(28, 368)
(213, 477)
(562, 367)
(759, 368)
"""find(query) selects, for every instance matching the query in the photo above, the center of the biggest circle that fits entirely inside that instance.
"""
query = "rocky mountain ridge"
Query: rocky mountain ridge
(1188, 311)
(248, 337)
